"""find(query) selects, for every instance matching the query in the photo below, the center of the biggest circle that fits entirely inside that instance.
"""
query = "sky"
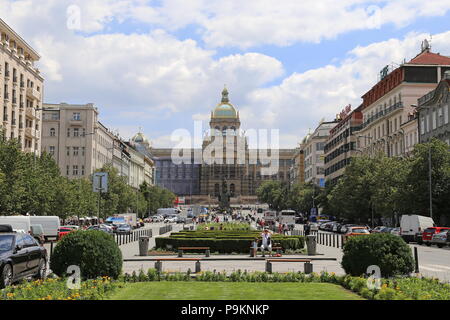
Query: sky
(160, 65)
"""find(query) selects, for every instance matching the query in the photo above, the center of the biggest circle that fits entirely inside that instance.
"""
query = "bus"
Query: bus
(287, 217)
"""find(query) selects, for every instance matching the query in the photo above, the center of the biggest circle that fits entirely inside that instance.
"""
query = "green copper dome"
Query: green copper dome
(225, 109)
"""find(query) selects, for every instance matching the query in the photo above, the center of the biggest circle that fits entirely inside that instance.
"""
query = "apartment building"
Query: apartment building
(78, 141)
(389, 104)
(21, 90)
(341, 144)
(433, 109)
(297, 169)
(314, 146)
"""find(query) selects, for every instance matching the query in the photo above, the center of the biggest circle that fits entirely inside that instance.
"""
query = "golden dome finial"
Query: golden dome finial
(225, 95)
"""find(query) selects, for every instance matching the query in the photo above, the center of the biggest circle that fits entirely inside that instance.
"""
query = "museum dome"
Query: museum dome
(140, 138)
(225, 109)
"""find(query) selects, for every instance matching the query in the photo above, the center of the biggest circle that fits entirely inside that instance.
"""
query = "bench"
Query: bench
(180, 250)
(308, 265)
(254, 252)
(158, 263)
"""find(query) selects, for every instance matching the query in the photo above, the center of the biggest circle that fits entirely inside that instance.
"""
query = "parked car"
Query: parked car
(428, 233)
(171, 219)
(395, 231)
(21, 256)
(441, 239)
(62, 231)
(345, 228)
(157, 218)
(355, 231)
(335, 227)
(124, 229)
(386, 230)
(103, 228)
(314, 227)
(378, 229)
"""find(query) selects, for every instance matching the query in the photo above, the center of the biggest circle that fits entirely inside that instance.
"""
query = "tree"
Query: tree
(416, 193)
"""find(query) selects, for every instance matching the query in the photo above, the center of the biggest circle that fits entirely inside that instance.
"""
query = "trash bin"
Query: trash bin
(143, 245)
(311, 245)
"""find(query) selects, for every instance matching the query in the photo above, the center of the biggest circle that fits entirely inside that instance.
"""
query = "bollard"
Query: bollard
(268, 267)
(207, 253)
(197, 267)
(158, 266)
(180, 253)
(308, 267)
(51, 248)
(416, 259)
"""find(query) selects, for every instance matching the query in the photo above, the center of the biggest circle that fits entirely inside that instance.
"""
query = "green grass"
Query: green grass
(232, 291)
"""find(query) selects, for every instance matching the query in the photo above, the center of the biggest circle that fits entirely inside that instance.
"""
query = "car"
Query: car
(124, 229)
(157, 218)
(441, 239)
(21, 256)
(103, 228)
(336, 227)
(62, 231)
(386, 230)
(345, 227)
(355, 231)
(395, 231)
(171, 219)
(428, 233)
(378, 229)
(314, 227)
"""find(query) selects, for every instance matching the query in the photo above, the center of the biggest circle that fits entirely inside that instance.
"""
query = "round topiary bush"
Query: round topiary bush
(95, 252)
(391, 253)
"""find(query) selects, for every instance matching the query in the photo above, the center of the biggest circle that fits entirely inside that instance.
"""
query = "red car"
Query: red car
(427, 235)
(63, 231)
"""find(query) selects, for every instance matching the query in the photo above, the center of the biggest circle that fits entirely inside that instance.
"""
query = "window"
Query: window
(68, 132)
(67, 171)
(83, 149)
(434, 119)
(82, 170)
(422, 125)
(75, 132)
(76, 116)
(75, 151)
(52, 132)
(75, 170)
(52, 150)
(68, 151)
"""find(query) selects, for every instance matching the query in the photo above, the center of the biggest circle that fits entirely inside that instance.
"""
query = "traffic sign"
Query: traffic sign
(100, 182)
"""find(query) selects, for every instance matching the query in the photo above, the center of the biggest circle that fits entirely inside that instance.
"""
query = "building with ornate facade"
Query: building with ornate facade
(227, 162)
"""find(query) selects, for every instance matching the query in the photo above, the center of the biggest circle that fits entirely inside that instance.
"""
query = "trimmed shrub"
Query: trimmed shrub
(95, 252)
(225, 241)
(389, 252)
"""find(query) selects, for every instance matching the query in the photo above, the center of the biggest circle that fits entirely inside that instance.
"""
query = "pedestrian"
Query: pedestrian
(285, 229)
(307, 229)
(266, 242)
(280, 228)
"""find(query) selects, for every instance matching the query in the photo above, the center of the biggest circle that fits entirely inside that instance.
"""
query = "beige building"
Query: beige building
(21, 89)
(313, 148)
(340, 146)
(79, 143)
(388, 105)
(297, 169)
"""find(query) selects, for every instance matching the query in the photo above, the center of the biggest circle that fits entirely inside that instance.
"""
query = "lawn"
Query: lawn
(167, 290)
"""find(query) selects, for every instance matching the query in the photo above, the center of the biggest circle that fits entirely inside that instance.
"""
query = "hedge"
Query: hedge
(225, 241)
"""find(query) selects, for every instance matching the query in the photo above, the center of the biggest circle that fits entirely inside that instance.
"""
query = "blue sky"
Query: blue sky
(160, 65)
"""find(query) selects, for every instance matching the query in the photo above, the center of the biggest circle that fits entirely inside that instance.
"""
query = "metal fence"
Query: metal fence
(323, 238)
(165, 229)
(133, 236)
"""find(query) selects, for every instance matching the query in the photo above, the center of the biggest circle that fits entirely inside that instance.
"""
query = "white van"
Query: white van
(167, 212)
(412, 226)
(50, 224)
(18, 223)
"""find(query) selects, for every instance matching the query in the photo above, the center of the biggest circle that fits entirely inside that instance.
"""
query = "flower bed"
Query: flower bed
(56, 289)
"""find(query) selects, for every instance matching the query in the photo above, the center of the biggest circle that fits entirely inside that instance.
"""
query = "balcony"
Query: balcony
(30, 112)
(33, 94)
(382, 113)
(30, 132)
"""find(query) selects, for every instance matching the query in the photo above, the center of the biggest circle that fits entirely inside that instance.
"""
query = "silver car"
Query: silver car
(441, 239)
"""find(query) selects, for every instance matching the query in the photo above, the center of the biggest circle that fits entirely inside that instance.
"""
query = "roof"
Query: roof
(225, 109)
(427, 57)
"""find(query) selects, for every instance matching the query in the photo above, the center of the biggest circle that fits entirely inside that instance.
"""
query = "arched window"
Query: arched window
(52, 132)
(224, 131)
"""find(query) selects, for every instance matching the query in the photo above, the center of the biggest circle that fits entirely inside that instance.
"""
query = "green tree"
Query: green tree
(416, 192)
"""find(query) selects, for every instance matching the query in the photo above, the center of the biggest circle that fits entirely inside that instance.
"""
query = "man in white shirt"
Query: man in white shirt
(266, 241)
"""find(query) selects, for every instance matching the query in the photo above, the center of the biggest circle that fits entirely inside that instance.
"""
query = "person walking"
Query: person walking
(307, 229)
(285, 229)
